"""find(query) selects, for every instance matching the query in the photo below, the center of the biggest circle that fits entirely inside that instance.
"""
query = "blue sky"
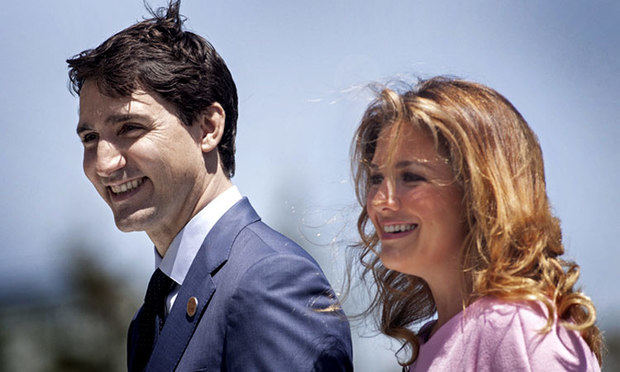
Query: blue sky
(300, 69)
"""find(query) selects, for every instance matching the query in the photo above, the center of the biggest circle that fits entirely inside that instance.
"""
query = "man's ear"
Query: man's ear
(212, 122)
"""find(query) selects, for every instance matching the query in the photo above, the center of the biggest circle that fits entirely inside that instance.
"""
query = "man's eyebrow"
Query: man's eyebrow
(82, 127)
(113, 119)
(118, 118)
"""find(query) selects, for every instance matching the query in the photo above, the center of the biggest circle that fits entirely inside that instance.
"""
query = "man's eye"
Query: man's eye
(126, 128)
(412, 177)
(89, 137)
(375, 179)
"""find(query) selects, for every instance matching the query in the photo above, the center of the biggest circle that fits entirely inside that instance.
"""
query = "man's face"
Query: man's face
(144, 162)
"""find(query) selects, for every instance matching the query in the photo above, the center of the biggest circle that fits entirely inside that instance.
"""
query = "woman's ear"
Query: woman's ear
(212, 122)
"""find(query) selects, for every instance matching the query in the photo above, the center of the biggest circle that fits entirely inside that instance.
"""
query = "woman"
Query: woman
(451, 178)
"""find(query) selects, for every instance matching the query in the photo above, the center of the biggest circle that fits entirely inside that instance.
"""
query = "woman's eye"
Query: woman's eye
(375, 179)
(412, 177)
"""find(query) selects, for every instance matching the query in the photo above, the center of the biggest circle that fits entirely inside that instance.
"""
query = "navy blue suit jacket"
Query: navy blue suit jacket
(261, 307)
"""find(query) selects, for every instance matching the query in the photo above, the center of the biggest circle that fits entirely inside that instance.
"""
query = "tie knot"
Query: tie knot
(158, 289)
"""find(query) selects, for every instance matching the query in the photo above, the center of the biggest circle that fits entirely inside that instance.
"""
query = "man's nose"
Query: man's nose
(386, 196)
(109, 159)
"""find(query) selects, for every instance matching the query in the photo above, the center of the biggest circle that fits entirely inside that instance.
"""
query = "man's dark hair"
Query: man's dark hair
(157, 55)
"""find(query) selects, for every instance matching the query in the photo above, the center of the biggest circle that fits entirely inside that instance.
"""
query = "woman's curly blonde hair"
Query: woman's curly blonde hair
(513, 245)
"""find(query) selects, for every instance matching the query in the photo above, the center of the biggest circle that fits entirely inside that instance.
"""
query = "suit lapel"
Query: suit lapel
(213, 253)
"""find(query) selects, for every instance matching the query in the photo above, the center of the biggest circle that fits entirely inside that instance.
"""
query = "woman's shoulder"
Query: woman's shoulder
(501, 320)
(515, 331)
(484, 322)
(500, 314)
(504, 335)
(489, 321)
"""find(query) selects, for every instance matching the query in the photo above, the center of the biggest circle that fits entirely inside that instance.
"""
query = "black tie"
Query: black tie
(151, 318)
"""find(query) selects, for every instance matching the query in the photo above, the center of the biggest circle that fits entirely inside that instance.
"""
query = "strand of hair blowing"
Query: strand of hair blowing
(514, 244)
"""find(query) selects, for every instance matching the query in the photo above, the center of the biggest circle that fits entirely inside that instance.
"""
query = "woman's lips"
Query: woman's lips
(397, 230)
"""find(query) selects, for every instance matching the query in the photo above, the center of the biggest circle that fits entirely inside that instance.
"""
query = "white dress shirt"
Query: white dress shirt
(184, 247)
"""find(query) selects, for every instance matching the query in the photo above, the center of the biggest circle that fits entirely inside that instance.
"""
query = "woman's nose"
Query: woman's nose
(386, 197)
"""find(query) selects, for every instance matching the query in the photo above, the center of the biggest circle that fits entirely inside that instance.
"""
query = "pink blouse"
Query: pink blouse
(491, 335)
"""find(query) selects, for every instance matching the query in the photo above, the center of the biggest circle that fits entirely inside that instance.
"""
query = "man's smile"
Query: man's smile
(125, 190)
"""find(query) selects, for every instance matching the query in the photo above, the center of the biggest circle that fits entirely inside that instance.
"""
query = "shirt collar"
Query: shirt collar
(184, 247)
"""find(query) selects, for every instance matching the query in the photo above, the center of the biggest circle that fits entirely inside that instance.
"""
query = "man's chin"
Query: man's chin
(138, 221)
(127, 227)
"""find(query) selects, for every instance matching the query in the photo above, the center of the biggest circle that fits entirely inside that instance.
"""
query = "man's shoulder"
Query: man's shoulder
(281, 313)
(257, 241)
(258, 250)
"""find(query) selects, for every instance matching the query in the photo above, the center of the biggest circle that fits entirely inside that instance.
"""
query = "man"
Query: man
(158, 110)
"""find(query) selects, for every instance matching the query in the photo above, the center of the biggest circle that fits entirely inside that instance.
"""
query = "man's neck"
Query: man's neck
(217, 185)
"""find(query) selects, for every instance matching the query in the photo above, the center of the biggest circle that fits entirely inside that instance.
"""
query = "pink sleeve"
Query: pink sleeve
(524, 348)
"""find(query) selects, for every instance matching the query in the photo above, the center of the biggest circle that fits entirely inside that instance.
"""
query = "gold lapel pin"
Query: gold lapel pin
(192, 305)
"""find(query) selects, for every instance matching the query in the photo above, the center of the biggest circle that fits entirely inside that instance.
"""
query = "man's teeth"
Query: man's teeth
(126, 186)
(399, 228)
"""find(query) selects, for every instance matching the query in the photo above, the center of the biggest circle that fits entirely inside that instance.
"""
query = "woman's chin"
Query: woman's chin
(393, 259)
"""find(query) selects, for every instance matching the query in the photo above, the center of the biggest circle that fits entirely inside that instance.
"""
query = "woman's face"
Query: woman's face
(415, 205)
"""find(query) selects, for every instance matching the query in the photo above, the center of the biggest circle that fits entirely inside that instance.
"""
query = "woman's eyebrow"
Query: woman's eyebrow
(405, 163)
